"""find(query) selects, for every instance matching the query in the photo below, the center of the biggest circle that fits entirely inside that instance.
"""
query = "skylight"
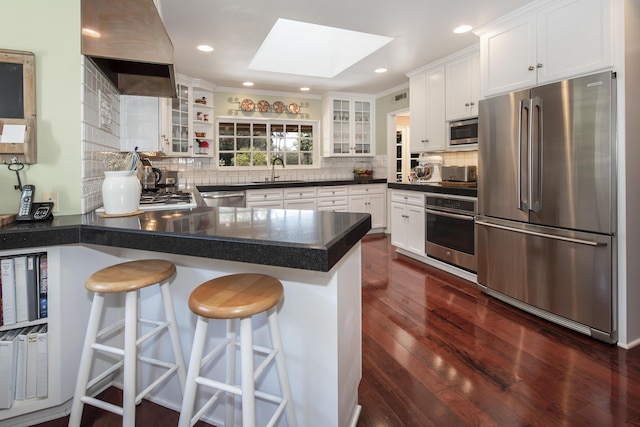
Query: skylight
(305, 49)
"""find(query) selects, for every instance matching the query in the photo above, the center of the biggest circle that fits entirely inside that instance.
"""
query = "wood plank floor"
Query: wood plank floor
(437, 352)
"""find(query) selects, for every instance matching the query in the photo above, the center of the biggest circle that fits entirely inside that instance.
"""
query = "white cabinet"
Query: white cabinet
(407, 221)
(301, 198)
(265, 198)
(545, 42)
(348, 125)
(369, 198)
(144, 123)
(333, 198)
(462, 87)
(427, 106)
(192, 130)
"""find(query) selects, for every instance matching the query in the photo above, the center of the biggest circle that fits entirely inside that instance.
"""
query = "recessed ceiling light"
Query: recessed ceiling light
(305, 89)
(313, 50)
(205, 48)
(247, 84)
(462, 29)
(380, 70)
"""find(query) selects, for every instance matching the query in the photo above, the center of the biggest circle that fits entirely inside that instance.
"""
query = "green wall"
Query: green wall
(51, 30)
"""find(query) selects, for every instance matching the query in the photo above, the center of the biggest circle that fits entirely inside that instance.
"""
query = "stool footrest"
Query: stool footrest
(208, 404)
(173, 368)
(105, 374)
(103, 405)
(160, 326)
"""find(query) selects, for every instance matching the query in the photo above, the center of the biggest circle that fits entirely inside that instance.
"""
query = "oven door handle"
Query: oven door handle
(450, 215)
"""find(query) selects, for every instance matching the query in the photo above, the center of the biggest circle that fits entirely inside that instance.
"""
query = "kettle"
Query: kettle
(150, 177)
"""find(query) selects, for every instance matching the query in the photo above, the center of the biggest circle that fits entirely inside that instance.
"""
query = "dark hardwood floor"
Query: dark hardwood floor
(437, 352)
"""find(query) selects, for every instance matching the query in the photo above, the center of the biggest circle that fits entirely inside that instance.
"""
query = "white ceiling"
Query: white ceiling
(422, 32)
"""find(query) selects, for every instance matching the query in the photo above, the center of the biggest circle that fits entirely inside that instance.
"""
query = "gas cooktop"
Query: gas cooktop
(164, 200)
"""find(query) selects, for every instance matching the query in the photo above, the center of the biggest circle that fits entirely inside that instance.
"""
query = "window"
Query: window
(258, 143)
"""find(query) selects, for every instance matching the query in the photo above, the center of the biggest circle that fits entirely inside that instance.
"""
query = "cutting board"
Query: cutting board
(7, 219)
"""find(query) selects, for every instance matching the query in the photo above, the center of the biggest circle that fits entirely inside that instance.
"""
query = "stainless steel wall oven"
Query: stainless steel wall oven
(450, 229)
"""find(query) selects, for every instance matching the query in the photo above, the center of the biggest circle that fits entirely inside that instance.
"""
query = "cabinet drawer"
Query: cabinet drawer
(267, 194)
(415, 198)
(300, 193)
(367, 189)
(332, 190)
(326, 202)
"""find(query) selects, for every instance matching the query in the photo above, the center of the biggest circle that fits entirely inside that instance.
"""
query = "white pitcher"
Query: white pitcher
(120, 192)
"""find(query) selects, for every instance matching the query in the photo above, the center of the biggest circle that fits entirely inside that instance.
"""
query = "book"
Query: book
(31, 374)
(21, 364)
(8, 358)
(43, 306)
(7, 272)
(20, 273)
(1, 315)
(33, 295)
(42, 362)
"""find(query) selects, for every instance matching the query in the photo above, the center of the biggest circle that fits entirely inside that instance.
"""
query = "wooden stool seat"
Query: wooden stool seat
(236, 296)
(129, 276)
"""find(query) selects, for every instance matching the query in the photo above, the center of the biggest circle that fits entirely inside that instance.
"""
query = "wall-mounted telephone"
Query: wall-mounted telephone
(30, 210)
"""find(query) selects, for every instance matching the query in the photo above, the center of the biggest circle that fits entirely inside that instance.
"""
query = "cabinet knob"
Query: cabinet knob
(424, 140)
(531, 68)
(538, 65)
(466, 104)
(472, 103)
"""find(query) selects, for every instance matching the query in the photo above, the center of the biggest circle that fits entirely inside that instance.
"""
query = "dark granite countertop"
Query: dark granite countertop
(308, 240)
(455, 189)
(284, 184)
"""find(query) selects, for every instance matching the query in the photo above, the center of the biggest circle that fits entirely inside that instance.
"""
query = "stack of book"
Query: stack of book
(24, 288)
(23, 364)
(23, 338)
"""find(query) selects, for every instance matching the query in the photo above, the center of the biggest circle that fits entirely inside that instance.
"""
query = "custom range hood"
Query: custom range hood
(127, 41)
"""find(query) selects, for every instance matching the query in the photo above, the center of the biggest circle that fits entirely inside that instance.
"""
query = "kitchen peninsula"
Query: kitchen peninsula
(315, 254)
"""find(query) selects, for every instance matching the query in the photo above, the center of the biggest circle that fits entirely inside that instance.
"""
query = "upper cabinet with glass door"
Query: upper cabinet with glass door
(348, 125)
(180, 123)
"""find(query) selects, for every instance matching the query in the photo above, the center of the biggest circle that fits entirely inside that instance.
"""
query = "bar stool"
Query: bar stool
(233, 297)
(128, 277)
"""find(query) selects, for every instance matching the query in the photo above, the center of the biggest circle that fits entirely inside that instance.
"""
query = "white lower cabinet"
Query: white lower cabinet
(333, 198)
(265, 198)
(370, 198)
(300, 198)
(407, 221)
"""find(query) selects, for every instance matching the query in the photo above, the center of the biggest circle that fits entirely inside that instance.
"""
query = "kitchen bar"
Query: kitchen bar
(315, 254)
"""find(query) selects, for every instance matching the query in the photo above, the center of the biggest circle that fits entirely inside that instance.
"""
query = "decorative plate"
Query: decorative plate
(247, 105)
(279, 107)
(263, 106)
(294, 108)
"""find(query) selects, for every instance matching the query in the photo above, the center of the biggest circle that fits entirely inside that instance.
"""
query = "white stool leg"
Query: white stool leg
(173, 333)
(248, 386)
(231, 370)
(188, 400)
(283, 376)
(85, 360)
(130, 359)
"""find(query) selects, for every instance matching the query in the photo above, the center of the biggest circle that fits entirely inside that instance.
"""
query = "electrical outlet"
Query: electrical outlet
(52, 197)
(197, 165)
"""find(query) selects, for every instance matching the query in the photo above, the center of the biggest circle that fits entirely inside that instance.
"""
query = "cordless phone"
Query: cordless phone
(26, 201)
(30, 211)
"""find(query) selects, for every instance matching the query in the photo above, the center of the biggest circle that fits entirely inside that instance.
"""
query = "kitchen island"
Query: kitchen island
(315, 254)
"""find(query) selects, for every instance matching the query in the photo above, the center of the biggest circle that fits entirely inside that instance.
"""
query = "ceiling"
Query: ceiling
(422, 32)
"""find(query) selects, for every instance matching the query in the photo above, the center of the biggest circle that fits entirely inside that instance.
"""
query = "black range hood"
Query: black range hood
(128, 42)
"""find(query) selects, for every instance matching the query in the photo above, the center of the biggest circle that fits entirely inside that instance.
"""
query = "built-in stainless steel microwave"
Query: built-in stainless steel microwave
(463, 132)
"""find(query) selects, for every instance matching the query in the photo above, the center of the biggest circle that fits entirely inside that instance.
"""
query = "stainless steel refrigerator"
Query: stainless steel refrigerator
(547, 202)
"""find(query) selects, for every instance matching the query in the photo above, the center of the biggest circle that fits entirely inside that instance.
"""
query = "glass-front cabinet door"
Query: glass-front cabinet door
(348, 126)
(180, 122)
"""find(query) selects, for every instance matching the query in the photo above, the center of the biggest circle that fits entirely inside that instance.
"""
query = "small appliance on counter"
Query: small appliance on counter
(460, 173)
(427, 170)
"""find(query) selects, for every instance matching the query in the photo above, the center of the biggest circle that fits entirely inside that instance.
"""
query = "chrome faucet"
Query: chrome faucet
(273, 167)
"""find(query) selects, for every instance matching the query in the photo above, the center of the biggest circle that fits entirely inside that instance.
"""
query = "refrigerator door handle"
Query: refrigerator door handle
(535, 155)
(524, 114)
(535, 233)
